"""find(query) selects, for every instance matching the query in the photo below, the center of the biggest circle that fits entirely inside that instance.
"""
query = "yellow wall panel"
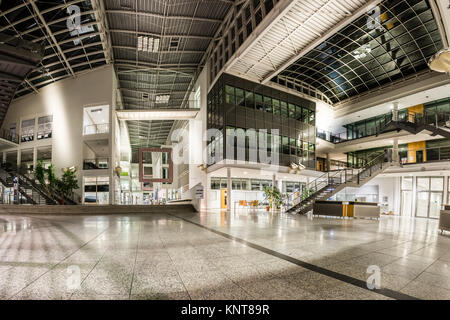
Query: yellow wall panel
(413, 148)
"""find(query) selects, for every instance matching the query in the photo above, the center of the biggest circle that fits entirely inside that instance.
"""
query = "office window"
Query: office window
(240, 100)
(268, 104)
(259, 102)
(27, 130)
(249, 100)
(285, 144)
(291, 111)
(305, 115)
(276, 107)
(284, 110)
(165, 158)
(298, 113)
(229, 95)
(45, 127)
(165, 173)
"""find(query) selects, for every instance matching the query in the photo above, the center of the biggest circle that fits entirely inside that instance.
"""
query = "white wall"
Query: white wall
(65, 100)
(389, 187)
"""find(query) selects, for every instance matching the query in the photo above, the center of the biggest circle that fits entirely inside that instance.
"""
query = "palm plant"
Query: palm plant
(52, 185)
(274, 196)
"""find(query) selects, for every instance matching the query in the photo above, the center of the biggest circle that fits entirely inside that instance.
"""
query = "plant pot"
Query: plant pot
(268, 208)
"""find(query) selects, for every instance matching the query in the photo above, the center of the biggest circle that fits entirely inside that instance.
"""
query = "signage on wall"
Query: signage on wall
(199, 192)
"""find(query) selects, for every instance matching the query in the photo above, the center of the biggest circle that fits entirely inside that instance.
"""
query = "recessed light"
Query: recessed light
(147, 44)
(162, 99)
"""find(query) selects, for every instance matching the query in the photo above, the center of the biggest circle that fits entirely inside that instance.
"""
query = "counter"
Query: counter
(346, 209)
(444, 220)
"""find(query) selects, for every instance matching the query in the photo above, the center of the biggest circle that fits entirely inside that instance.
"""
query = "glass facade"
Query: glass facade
(235, 103)
(363, 56)
(240, 184)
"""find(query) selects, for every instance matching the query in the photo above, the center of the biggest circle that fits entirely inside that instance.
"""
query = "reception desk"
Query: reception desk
(444, 219)
(346, 209)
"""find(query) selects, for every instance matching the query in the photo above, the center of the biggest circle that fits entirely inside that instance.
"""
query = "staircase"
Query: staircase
(28, 189)
(331, 183)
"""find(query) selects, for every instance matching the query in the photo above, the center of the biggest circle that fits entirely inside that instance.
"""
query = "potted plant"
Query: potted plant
(274, 196)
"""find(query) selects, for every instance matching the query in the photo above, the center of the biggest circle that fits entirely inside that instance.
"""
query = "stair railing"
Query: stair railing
(374, 165)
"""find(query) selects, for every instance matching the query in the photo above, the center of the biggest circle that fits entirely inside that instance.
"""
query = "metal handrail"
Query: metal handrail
(95, 162)
(96, 128)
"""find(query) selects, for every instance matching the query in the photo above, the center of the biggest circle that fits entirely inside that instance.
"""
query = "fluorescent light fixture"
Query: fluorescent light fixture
(362, 52)
(148, 44)
(157, 114)
(440, 62)
(162, 99)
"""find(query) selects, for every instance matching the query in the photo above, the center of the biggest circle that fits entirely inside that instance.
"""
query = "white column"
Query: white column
(35, 159)
(395, 112)
(395, 157)
(274, 181)
(328, 168)
(228, 189)
(445, 197)
(19, 157)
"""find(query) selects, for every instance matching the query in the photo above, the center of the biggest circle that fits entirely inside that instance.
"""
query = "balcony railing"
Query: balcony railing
(96, 164)
(96, 129)
(332, 137)
(6, 134)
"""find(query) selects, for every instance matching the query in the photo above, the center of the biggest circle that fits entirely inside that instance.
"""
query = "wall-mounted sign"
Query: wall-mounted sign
(199, 192)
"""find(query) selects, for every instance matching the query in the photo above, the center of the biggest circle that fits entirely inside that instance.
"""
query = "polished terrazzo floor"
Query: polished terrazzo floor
(213, 255)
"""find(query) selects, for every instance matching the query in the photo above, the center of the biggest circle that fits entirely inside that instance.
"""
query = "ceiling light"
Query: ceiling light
(148, 44)
(362, 52)
(440, 62)
(162, 99)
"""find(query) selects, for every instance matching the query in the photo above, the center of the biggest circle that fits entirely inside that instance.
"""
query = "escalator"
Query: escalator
(32, 191)
(26, 192)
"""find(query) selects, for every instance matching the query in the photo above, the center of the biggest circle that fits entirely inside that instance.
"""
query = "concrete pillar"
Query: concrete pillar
(19, 157)
(445, 199)
(35, 159)
(274, 181)
(111, 186)
(228, 189)
(328, 164)
(395, 112)
(395, 156)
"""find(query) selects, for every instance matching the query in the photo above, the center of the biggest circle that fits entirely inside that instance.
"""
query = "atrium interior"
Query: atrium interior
(224, 149)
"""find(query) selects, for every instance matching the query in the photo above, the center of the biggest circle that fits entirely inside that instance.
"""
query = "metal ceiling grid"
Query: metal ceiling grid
(303, 22)
(67, 52)
(358, 59)
(183, 31)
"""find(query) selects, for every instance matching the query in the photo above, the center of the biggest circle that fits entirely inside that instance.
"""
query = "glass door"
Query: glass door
(422, 204)
(407, 200)
(435, 204)
(430, 191)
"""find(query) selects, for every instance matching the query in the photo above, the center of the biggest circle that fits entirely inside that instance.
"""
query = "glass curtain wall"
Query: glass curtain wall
(234, 103)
